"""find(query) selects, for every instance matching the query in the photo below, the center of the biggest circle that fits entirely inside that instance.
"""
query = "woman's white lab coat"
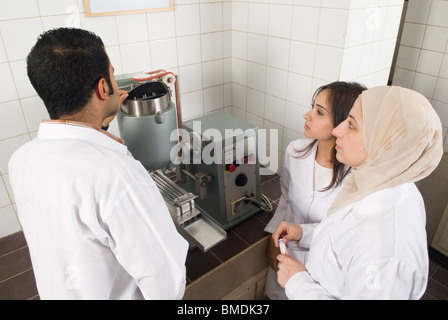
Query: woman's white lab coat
(300, 203)
(373, 249)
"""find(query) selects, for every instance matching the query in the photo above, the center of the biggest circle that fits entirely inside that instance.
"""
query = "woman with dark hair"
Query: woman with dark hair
(311, 176)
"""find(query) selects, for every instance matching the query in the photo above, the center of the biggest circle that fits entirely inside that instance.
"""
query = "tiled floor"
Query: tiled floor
(16, 272)
(17, 278)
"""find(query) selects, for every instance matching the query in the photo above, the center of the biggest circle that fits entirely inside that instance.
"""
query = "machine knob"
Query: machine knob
(241, 180)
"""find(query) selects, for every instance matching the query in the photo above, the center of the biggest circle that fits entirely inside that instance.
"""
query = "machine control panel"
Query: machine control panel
(241, 180)
(239, 177)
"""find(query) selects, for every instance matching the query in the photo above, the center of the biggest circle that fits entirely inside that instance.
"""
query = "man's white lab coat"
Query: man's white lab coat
(373, 249)
(95, 222)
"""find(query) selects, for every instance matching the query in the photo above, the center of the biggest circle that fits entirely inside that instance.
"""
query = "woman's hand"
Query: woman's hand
(287, 267)
(288, 231)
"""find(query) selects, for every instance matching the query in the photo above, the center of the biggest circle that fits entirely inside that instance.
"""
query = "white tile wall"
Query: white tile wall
(8, 146)
(280, 19)
(213, 98)
(305, 24)
(4, 196)
(27, 30)
(258, 15)
(435, 38)
(212, 46)
(444, 67)
(425, 84)
(135, 56)
(259, 59)
(429, 62)
(187, 20)
(8, 91)
(192, 104)
(12, 121)
(163, 54)
(328, 61)
(8, 220)
(301, 58)
(50, 7)
(437, 14)
(18, 10)
(189, 50)
(3, 57)
(413, 34)
(441, 93)
(255, 102)
(256, 76)
(211, 17)
(422, 62)
(299, 90)
(239, 96)
(239, 45)
(332, 27)
(190, 78)
(275, 109)
(257, 48)
(23, 85)
(165, 19)
(131, 28)
(213, 73)
(418, 11)
(34, 111)
(278, 53)
(276, 82)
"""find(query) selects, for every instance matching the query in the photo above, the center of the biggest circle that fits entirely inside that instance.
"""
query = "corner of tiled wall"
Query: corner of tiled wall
(422, 63)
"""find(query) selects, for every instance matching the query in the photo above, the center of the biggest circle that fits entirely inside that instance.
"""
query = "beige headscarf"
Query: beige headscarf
(403, 139)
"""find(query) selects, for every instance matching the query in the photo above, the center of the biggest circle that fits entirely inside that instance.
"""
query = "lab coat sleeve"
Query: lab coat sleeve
(378, 280)
(146, 242)
(308, 230)
(301, 286)
(384, 279)
(283, 212)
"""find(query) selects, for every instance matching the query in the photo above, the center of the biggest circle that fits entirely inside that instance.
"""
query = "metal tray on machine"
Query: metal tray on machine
(194, 226)
(204, 233)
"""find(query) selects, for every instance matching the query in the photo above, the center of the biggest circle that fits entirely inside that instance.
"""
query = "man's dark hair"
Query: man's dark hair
(64, 66)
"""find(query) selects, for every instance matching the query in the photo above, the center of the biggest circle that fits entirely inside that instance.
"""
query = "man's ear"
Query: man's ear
(102, 89)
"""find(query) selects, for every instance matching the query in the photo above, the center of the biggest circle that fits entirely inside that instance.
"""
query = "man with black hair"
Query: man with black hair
(95, 222)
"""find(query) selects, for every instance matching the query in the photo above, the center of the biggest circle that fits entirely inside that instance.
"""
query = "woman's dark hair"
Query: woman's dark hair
(341, 97)
(64, 66)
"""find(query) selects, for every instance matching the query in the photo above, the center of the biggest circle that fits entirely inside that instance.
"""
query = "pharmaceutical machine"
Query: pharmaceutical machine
(206, 169)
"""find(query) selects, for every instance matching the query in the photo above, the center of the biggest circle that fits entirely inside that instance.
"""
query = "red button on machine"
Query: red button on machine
(232, 168)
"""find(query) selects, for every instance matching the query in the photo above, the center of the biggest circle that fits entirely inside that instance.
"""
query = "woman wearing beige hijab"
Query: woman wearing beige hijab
(372, 244)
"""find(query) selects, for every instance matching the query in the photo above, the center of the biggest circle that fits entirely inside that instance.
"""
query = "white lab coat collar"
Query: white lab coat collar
(49, 130)
(308, 168)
